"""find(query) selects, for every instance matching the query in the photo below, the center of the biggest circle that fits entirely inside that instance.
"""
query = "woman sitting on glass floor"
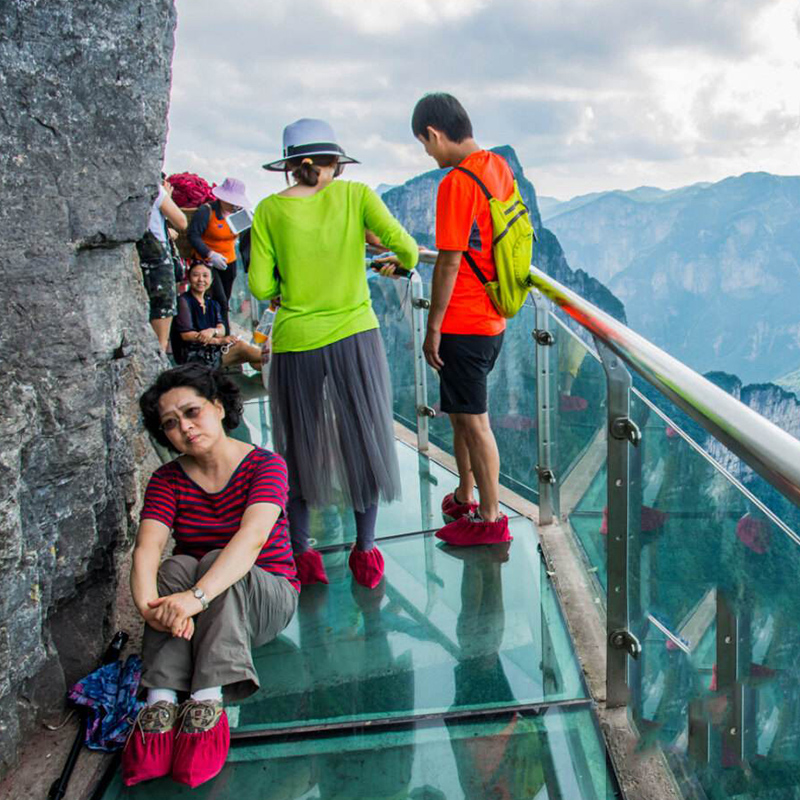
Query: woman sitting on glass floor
(230, 585)
(198, 332)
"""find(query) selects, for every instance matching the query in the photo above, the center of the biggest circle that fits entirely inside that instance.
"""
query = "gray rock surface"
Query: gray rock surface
(84, 91)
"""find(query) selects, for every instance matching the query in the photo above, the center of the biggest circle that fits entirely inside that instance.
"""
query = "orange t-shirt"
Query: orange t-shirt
(464, 222)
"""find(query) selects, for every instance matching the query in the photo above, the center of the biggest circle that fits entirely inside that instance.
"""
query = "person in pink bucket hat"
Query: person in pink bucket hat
(215, 243)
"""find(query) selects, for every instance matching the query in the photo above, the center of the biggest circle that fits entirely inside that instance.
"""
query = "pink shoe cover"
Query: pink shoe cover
(366, 566)
(147, 756)
(453, 510)
(310, 568)
(472, 530)
(199, 757)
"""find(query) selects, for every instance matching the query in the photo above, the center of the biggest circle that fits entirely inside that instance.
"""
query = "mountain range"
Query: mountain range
(709, 272)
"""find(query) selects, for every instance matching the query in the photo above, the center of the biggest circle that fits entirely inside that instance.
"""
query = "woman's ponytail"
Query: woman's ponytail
(306, 171)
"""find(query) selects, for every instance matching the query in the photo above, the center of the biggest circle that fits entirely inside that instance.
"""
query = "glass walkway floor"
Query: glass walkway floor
(455, 678)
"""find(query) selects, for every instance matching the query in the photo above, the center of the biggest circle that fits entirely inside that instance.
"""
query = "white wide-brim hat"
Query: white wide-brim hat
(306, 138)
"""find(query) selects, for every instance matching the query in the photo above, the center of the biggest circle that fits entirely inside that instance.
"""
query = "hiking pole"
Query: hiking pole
(59, 787)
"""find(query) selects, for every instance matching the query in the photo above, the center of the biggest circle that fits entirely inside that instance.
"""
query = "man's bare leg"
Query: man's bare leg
(466, 481)
(161, 328)
(484, 460)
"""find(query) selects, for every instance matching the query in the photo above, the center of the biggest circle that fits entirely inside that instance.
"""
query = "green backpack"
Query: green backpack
(512, 249)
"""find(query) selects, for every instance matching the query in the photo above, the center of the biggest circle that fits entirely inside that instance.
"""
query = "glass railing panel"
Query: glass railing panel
(451, 628)
(581, 401)
(588, 522)
(701, 542)
(554, 754)
(391, 301)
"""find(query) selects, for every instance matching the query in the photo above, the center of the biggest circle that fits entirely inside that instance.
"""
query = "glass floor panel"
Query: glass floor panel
(554, 755)
(448, 629)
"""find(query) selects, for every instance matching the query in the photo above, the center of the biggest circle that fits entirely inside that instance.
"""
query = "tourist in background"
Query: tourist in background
(198, 332)
(155, 259)
(214, 242)
(330, 394)
(230, 584)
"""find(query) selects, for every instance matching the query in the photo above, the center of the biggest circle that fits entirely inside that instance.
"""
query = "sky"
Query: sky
(592, 94)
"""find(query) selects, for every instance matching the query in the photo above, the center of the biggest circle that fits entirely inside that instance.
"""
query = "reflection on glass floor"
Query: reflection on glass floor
(553, 755)
(449, 629)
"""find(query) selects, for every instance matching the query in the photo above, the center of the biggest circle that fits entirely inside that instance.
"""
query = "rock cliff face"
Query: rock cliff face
(84, 93)
(414, 204)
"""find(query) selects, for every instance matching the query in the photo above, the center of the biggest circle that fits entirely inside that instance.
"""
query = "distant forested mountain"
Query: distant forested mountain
(414, 204)
(709, 272)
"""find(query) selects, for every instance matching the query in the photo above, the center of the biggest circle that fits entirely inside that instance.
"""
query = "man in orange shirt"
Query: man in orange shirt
(465, 332)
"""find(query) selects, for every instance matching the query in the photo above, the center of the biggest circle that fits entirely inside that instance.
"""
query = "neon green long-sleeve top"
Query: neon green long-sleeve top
(310, 251)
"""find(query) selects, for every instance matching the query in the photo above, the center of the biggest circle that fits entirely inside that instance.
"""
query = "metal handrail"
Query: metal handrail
(769, 450)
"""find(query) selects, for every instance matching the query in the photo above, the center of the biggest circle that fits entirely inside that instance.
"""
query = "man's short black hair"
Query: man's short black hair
(443, 112)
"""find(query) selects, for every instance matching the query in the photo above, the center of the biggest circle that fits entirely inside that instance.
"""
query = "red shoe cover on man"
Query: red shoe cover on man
(366, 566)
(452, 509)
(310, 568)
(471, 529)
(199, 757)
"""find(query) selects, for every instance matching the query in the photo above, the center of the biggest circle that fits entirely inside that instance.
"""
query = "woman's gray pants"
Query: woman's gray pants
(249, 614)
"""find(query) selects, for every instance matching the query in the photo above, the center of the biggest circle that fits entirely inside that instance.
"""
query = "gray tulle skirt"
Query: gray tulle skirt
(332, 422)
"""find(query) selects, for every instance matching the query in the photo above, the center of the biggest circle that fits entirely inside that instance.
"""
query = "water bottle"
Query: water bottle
(261, 338)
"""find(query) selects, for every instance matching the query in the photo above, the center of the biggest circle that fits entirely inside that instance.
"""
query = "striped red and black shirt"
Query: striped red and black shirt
(203, 521)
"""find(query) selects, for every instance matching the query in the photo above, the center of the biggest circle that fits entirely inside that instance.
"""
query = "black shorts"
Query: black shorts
(468, 360)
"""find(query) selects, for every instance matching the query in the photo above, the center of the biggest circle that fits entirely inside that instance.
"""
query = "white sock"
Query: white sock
(212, 693)
(154, 695)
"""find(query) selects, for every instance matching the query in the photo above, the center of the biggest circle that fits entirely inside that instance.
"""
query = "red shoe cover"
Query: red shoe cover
(366, 566)
(199, 757)
(147, 756)
(469, 530)
(452, 509)
(753, 534)
(652, 519)
(310, 568)
(569, 403)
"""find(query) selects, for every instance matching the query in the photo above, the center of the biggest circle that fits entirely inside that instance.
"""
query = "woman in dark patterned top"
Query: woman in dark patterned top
(230, 584)
(198, 332)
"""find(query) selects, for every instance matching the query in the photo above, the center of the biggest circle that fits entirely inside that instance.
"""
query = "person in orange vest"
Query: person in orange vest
(215, 243)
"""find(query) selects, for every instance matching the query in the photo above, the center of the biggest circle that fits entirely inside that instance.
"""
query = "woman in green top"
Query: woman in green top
(330, 394)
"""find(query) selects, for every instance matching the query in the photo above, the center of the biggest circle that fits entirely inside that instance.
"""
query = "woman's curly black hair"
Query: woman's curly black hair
(207, 382)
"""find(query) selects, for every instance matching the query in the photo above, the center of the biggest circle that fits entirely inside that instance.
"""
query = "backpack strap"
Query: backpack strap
(486, 193)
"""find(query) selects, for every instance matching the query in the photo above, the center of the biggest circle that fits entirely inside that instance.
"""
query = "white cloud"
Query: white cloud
(391, 16)
(592, 96)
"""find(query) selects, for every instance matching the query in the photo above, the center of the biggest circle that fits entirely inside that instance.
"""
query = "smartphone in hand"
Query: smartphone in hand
(400, 272)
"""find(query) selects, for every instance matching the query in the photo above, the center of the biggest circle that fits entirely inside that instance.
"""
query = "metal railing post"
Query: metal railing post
(423, 410)
(732, 636)
(622, 432)
(546, 361)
